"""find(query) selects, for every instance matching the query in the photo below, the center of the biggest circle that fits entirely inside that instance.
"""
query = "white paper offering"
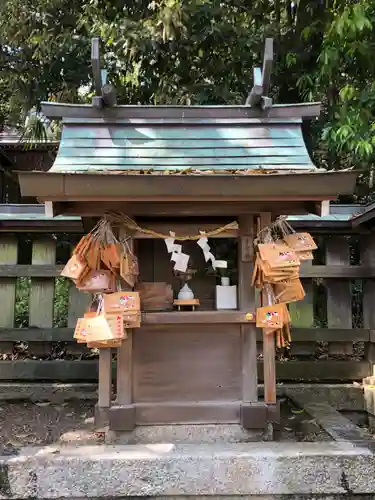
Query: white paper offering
(202, 242)
(174, 256)
(206, 248)
(177, 248)
(170, 242)
(209, 256)
(222, 264)
(181, 262)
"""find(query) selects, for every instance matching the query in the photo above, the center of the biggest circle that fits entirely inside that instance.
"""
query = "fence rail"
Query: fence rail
(333, 328)
(53, 271)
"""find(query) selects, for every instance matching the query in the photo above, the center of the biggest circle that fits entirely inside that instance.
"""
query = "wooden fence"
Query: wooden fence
(333, 328)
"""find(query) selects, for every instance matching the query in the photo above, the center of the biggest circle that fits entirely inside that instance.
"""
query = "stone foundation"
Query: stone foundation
(166, 470)
(188, 434)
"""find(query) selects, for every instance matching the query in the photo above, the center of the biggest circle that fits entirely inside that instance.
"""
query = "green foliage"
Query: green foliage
(60, 304)
(22, 302)
(198, 52)
(347, 71)
(43, 55)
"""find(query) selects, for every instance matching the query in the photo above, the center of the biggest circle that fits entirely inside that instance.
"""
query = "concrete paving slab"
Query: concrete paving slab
(335, 424)
(177, 470)
(339, 396)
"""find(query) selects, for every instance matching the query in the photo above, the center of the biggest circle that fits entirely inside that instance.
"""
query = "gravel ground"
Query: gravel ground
(33, 424)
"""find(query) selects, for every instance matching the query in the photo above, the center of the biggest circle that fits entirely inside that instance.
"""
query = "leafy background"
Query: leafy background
(196, 52)
(199, 52)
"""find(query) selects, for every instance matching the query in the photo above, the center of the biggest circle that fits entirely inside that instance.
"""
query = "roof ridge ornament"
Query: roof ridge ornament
(105, 93)
(258, 96)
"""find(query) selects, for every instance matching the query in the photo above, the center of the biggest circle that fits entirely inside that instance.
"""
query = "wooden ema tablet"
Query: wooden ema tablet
(100, 328)
(304, 255)
(129, 269)
(300, 241)
(132, 319)
(121, 302)
(270, 317)
(278, 255)
(290, 291)
(98, 281)
(74, 268)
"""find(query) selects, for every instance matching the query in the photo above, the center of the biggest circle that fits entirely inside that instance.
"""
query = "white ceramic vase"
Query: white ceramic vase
(186, 293)
(225, 281)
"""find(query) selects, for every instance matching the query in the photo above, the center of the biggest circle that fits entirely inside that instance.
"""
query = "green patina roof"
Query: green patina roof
(133, 145)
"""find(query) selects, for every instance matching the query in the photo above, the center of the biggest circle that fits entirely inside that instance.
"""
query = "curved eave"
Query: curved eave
(313, 186)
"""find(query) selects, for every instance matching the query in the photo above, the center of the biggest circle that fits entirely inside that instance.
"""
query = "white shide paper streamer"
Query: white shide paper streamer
(208, 255)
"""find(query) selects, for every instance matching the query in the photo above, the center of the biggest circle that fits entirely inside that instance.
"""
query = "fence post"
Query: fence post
(302, 316)
(368, 258)
(339, 295)
(8, 256)
(42, 289)
(77, 305)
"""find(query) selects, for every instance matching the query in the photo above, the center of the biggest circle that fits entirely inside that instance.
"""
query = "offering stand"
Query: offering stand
(186, 170)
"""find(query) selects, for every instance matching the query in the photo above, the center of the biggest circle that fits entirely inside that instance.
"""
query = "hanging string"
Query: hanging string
(270, 234)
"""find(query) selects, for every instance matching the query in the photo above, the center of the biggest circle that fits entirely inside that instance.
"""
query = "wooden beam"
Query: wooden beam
(255, 95)
(315, 186)
(181, 199)
(324, 208)
(109, 95)
(41, 226)
(180, 209)
(104, 387)
(269, 350)
(198, 317)
(341, 272)
(365, 217)
(200, 412)
(299, 335)
(266, 103)
(176, 412)
(87, 370)
(53, 209)
(97, 102)
(267, 66)
(246, 294)
(258, 95)
(124, 378)
(315, 207)
(95, 63)
(163, 114)
(368, 258)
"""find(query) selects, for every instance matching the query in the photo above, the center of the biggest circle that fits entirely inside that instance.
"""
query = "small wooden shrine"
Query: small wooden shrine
(171, 183)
